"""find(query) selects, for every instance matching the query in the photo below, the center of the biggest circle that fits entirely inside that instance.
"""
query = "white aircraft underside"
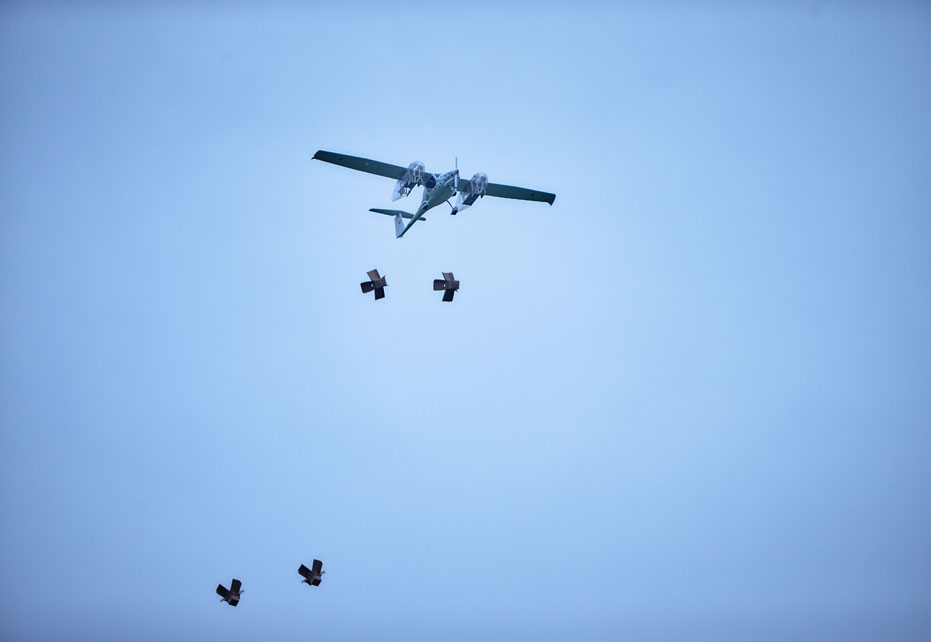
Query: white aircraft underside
(437, 188)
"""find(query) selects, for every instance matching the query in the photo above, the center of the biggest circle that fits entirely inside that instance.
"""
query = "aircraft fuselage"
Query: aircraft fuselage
(437, 189)
(443, 190)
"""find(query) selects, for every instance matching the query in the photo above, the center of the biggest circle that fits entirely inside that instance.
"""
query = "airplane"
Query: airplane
(448, 284)
(437, 188)
(312, 577)
(231, 596)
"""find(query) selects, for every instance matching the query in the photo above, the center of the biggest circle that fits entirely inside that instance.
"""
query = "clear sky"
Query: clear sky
(691, 400)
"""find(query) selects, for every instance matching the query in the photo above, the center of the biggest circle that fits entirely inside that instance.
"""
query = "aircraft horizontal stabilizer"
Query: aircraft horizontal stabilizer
(400, 213)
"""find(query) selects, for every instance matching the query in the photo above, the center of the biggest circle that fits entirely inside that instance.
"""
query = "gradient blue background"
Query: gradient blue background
(692, 400)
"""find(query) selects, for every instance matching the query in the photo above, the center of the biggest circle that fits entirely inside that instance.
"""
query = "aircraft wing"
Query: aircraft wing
(521, 193)
(318, 566)
(304, 571)
(222, 592)
(362, 164)
(235, 585)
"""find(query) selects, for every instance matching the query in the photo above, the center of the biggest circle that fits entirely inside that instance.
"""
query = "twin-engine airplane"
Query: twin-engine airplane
(437, 188)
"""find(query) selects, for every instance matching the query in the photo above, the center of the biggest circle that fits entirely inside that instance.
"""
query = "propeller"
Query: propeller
(377, 283)
(448, 285)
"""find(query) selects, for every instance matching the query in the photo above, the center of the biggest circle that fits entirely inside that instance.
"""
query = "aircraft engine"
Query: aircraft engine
(412, 177)
(470, 191)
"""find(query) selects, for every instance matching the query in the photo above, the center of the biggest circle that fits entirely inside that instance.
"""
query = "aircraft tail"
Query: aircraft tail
(399, 215)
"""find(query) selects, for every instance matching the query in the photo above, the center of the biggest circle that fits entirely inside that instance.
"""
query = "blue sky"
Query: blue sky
(688, 401)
